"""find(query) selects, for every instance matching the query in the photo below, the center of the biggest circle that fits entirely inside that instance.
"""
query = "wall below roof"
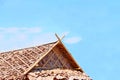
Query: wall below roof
(54, 59)
(58, 57)
(65, 53)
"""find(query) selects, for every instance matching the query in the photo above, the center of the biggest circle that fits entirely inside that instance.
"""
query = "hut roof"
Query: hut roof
(19, 62)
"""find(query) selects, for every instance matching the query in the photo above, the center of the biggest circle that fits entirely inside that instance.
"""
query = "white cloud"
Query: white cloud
(1, 37)
(72, 40)
(20, 29)
(18, 37)
(43, 39)
(31, 29)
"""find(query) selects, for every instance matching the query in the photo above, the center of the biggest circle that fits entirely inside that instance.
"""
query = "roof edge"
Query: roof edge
(60, 42)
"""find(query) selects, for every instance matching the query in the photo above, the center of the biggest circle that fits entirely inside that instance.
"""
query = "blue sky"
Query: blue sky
(92, 29)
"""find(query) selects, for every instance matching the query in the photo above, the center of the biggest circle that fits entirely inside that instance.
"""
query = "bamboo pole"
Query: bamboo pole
(10, 65)
(22, 60)
(39, 59)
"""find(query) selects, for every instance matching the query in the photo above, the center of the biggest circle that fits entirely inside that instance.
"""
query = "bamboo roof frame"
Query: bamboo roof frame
(59, 41)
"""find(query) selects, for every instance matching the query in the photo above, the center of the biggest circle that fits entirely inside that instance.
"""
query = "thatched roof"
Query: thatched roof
(19, 62)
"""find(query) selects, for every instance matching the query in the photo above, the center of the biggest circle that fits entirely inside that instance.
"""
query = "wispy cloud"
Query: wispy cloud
(72, 40)
(18, 37)
(1, 37)
(20, 29)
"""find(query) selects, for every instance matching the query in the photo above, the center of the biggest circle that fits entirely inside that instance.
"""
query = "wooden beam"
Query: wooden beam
(38, 49)
(48, 60)
(10, 65)
(59, 39)
(22, 60)
(35, 52)
(29, 53)
(32, 66)
(23, 56)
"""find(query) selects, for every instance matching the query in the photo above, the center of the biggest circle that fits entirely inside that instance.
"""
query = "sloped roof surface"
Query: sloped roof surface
(18, 61)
